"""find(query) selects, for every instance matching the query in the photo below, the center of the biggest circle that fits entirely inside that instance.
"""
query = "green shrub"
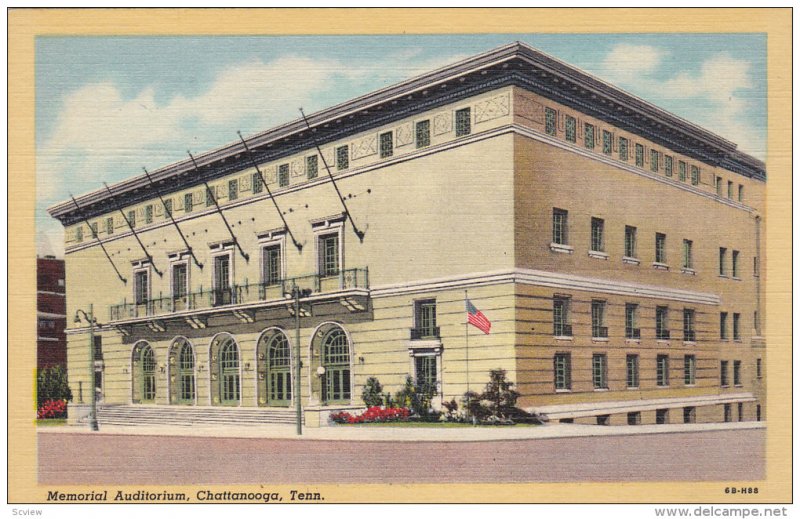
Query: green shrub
(418, 397)
(373, 393)
(52, 384)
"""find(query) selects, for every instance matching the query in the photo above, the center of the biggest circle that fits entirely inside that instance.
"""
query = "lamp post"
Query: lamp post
(296, 294)
(90, 319)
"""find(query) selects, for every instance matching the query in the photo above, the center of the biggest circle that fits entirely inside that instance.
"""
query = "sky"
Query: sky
(107, 106)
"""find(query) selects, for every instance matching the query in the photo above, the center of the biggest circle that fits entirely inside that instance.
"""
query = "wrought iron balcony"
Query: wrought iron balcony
(248, 294)
(430, 332)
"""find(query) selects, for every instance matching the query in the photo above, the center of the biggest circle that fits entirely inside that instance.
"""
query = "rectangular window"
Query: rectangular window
(639, 155)
(689, 415)
(758, 368)
(599, 329)
(210, 199)
(662, 323)
(723, 373)
(740, 411)
(737, 332)
(681, 171)
(735, 263)
(662, 370)
(688, 325)
(623, 149)
(687, 254)
(561, 326)
(695, 175)
(570, 128)
(562, 371)
(632, 371)
(386, 145)
(727, 412)
(167, 208)
(463, 122)
(79, 233)
(718, 185)
(180, 288)
(233, 190)
(312, 166)
(423, 133)
(730, 190)
(549, 121)
(599, 371)
(271, 258)
(329, 255)
(222, 280)
(689, 369)
(148, 214)
(588, 136)
(634, 418)
(741, 193)
(258, 186)
(141, 288)
(608, 139)
(559, 226)
(425, 370)
(654, 161)
(597, 235)
(93, 228)
(723, 253)
(188, 202)
(668, 165)
(283, 175)
(342, 157)
(132, 217)
(737, 372)
(661, 248)
(632, 330)
(110, 225)
(723, 326)
(662, 416)
(425, 319)
(630, 241)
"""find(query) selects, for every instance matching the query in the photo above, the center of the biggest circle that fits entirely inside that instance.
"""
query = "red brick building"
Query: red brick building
(51, 313)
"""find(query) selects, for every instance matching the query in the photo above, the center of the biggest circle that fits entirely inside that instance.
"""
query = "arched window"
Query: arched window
(229, 372)
(279, 370)
(336, 361)
(186, 382)
(144, 373)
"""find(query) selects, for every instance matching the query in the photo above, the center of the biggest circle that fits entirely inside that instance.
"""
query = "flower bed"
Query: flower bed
(372, 415)
(52, 409)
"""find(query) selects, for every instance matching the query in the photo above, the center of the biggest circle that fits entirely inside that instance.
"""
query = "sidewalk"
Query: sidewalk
(354, 433)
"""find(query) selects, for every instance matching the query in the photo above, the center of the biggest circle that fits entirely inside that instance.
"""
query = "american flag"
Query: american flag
(476, 318)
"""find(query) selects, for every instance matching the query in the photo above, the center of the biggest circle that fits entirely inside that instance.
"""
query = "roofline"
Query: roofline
(417, 84)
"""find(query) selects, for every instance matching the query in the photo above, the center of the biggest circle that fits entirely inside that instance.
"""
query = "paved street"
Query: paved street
(74, 457)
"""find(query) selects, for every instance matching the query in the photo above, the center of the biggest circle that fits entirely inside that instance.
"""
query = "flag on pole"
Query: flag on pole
(476, 318)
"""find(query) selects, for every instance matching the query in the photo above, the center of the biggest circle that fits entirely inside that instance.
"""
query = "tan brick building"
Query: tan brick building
(614, 247)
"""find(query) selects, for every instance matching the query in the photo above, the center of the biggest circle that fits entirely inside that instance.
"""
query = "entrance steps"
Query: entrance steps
(192, 415)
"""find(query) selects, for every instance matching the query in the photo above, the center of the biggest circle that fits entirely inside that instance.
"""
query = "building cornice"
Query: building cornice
(513, 64)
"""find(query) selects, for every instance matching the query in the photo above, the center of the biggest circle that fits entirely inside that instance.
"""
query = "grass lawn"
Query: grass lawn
(50, 422)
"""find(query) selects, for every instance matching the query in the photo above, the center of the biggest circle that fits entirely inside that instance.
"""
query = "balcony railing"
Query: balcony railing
(240, 294)
(431, 332)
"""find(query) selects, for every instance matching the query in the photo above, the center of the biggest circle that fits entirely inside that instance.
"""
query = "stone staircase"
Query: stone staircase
(192, 415)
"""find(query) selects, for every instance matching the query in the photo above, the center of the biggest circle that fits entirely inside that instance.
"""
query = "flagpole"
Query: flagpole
(466, 339)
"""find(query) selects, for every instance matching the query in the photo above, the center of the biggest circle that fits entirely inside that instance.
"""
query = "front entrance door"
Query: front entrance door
(229, 374)
(279, 369)
(148, 376)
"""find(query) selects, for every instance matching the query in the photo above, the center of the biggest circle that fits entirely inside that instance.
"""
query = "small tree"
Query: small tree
(52, 384)
(373, 393)
(500, 394)
(418, 397)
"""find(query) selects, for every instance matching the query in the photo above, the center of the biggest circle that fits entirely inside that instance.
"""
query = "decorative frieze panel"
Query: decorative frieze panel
(222, 192)
(245, 182)
(404, 135)
(492, 108)
(364, 147)
(158, 208)
(177, 204)
(297, 167)
(529, 109)
(329, 154)
(442, 123)
(197, 197)
(270, 174)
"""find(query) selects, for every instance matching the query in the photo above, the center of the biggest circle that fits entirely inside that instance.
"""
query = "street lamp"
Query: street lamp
(91, 320)
(296, 294)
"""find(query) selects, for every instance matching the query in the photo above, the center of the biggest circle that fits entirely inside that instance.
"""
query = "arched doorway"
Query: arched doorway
(274, 369)
(331, 351)
(225, 371)
(182, 382)
(144, 373)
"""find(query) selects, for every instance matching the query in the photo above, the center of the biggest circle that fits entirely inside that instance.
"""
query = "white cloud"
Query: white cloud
(627, 61)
